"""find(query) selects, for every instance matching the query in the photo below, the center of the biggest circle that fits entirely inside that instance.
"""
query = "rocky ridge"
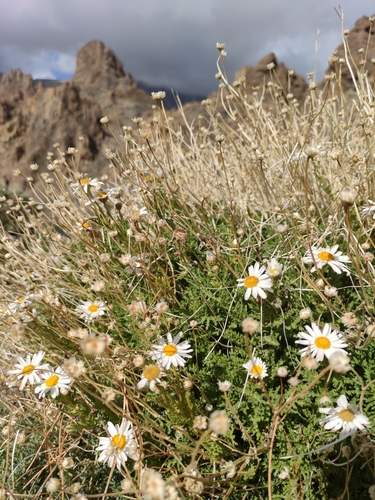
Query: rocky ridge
(33, 118)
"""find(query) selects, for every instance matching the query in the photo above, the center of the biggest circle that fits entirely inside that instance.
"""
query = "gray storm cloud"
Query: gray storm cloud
(168, 42)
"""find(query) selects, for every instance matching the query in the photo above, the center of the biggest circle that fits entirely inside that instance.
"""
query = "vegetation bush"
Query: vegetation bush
(173, 298)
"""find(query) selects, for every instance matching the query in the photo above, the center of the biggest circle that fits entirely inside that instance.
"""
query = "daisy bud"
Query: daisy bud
(219, 422)
(250, 325)
(230, 469)
(53, 484)
(92, 346)
(108, 394)
(293, 381)
(310, 363)
(349, 319)
(193, 486)
(152, 485)
(104, 120)
(282, 372)
(324, 400)
(21, 438)
(348, 197)
(284, 474)
(330, 291)
(305, 313)
(161, 307)
(180, 234)
(158, 96)
(75, 487)
(200, 422)
(224, 386)
(193, 324)
(126, 485)
(339, 362)
(311, 151)
(282, 228)
(319, 283)
(104, 257)
(210, 257)
(67, 463)
(368, 257)
(371, 492)
(188, 384)
(138, 361)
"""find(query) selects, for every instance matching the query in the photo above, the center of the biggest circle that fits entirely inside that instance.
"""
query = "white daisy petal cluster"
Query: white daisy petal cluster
(256, 282)
(256, 368)
(320, 343)
(150, 376)
(85, 183)
(172, 352)
(28, 370)
(91, 310)
(345, 417)
(116, 448)
(55, 381)
(274, 269)
(323, 256)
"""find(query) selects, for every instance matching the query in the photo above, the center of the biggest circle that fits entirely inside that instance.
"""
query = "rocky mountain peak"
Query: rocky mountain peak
(98, 65)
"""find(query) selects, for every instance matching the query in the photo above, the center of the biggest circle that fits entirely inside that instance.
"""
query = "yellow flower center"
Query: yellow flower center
(86, 224)
(326, 256)
(21, 299)
(322, 343)
(83, 182)
(119, 441)
(257, 370)
(102, 194)
(52, 381)
(251, 281)
(93, 308)
(28, 369)
(346, 415)
(170, 350)
(151, 372)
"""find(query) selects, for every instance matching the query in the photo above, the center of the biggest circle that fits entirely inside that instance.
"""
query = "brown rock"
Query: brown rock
(360, 37)
(260, 75)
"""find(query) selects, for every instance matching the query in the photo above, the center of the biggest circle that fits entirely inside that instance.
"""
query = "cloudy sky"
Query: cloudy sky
(171, 43)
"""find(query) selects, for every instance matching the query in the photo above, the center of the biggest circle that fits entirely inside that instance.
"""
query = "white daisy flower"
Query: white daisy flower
(27, 369)
(85, 183)
(21, 303)
(55, 381)
(151, 375)
(322, 256)
(345, 416)
(256, 368)
(115, 449)
(274, 269)
(257, 281)
(91, 310)
(370, 210)
(103, 195)
(171, 352)
(320, 343)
